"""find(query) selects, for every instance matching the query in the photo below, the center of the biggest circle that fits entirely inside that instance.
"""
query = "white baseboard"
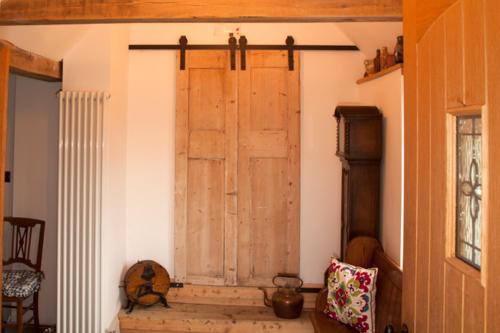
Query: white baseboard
(114, 327)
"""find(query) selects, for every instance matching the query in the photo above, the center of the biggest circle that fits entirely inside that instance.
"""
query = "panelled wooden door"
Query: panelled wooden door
(206, 170)
(446, 80)
(237, 169)
(268, 168)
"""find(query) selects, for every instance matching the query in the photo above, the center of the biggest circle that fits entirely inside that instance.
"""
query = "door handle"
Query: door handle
(390, 329)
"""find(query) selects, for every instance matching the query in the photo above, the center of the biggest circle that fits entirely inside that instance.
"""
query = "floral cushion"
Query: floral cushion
(351, 295)
(21, 283)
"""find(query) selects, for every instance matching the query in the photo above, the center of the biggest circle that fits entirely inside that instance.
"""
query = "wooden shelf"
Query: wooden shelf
(380, 74)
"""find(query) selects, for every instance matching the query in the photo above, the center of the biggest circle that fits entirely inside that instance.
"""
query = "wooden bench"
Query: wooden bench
(367, 252)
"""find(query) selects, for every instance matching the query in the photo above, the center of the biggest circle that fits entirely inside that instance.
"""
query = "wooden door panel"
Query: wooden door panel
(453, 300)
(207, 144)
(270, 59)
(473, 311)
(206, 169)
(269, 93)
(465, 54)
(205, 218)
(474, 70)
(464, 297)
(454, 55)
(268, 168)
(268, 197)
(424, 179)
(438, 162)
(206, 99)
(272, 144)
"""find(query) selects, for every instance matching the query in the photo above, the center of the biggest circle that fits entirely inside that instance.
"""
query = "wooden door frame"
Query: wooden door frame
(492, 246)
(18, 61)
(4, 97)
(26, 63)
(410, 161)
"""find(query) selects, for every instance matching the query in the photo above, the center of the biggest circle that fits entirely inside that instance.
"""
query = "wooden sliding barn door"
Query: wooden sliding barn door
(237, 169)
(452, 156)
(206, 170)
(268, 168)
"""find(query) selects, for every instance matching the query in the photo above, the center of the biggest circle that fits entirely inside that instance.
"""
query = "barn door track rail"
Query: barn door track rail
(242, 45)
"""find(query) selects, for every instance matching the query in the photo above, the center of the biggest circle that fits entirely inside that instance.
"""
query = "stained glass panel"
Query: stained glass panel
(469, 190)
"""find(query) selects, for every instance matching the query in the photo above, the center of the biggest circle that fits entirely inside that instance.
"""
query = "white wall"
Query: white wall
(34, 176)
(99, 61)
(326, 79)
(150, 158)
(386, 93)
(114, 246)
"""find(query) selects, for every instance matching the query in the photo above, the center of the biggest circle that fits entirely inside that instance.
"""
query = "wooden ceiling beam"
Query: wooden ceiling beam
(14, 12)
(33, 65)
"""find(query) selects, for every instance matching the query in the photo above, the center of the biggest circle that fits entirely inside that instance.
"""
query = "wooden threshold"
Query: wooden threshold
(380, 74)
(30, 64)
(210, 318)
(230, 296)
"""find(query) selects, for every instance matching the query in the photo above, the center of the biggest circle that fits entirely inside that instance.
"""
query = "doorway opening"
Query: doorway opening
(31, 183)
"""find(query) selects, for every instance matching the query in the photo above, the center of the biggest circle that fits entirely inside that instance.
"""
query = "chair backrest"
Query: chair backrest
(389, 292)
(360, 251)
(22, 239)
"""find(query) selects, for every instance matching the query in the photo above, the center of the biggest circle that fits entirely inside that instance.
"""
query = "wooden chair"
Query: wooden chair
(24, 280)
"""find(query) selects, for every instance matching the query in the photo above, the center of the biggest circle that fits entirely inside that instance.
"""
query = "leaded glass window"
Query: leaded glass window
(469, 190)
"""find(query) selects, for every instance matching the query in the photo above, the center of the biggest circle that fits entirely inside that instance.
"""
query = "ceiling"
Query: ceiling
(370, 36)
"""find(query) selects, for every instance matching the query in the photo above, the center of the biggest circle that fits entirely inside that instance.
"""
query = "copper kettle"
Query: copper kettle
(286, 302)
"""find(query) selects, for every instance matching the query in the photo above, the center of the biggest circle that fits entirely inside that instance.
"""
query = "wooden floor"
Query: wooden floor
(204, 318)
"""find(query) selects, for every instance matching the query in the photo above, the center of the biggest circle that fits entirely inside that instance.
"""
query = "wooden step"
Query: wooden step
(215, 295)
(204, 318)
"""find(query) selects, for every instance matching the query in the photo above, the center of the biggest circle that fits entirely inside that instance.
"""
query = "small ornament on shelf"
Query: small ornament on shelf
(383, 58)
(391, 60)
(399, 50)
(369, 67)
(377, 62)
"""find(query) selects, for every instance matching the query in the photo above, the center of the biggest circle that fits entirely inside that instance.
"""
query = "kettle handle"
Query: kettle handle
(290, 276)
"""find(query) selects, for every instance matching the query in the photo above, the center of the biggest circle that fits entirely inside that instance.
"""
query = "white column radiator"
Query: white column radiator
(79, 211)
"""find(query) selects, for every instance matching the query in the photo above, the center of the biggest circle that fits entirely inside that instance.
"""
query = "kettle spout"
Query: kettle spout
(267, 301)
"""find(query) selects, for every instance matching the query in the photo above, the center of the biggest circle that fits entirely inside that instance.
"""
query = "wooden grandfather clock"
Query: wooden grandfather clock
(359, 147)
